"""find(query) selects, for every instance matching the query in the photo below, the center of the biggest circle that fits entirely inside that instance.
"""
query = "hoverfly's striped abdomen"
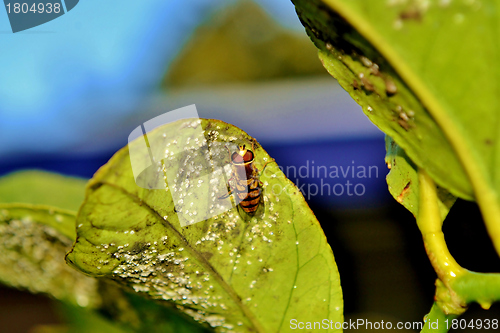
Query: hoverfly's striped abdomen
(249, 199)
(246, 184)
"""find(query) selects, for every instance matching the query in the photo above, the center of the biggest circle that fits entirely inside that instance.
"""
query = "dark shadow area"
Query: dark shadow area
(468, 239)
(21, 311)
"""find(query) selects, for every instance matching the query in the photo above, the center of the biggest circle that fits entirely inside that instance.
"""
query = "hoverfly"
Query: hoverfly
(245, 177)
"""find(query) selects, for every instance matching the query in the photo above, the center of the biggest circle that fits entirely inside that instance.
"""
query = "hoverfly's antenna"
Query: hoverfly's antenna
(228, 152)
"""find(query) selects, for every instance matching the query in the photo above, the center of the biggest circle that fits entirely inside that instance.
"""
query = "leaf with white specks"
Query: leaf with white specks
(33, 242)
(234, 271)
(401, 61)
(432, 92)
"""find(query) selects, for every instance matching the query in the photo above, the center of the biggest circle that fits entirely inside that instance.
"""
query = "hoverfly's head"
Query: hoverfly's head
(243, 156)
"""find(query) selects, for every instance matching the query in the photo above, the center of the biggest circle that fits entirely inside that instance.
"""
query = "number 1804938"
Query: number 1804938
(472, 324)
(40, 8)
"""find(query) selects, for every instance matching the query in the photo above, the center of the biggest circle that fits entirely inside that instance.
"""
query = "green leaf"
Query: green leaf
(404, 183)
(363, 70)
(423, 73)
(234, 271)
(42, 188)
(33, 242)
(143, 314)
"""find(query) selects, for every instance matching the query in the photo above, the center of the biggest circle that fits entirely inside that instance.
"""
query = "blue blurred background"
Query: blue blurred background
(73, 89)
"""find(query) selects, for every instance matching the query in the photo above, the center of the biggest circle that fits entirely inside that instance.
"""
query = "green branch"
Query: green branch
(430, 223)
(455, 287)
(437, 321)
(482, 288)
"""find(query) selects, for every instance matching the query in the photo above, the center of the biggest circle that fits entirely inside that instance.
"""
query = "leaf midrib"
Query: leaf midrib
(229, 290)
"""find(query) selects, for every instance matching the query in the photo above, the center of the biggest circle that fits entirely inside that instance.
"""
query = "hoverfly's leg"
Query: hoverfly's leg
(265, 164)
(254, 142)
(230, 190)
(263, 168)
(226, 195)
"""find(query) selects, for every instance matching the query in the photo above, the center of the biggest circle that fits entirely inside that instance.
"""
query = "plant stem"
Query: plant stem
(430, 224)
(455, 286)
(437, 321)
(483, 288)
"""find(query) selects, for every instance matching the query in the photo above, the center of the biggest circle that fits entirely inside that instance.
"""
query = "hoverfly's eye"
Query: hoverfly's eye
(237, 158)
(249, 156)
